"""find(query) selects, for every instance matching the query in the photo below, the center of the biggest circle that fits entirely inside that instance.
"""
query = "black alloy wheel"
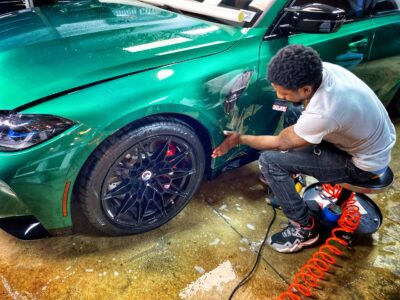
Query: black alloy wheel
(141, 179)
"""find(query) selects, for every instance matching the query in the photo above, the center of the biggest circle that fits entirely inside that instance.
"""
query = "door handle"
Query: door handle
(359, 44)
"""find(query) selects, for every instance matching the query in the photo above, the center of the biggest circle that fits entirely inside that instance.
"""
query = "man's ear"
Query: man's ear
(307, 90)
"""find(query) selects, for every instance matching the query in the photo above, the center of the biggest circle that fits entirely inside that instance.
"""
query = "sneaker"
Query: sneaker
(294, 237)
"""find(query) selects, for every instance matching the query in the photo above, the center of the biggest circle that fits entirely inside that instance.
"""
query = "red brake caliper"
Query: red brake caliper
(171, 152)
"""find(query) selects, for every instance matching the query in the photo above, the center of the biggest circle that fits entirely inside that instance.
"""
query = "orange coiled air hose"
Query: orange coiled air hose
(314, 269)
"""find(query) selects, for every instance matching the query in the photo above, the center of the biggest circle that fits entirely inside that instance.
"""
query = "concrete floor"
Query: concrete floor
(201, 254)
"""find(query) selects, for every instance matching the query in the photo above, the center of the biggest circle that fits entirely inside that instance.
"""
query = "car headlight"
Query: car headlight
(18, 131)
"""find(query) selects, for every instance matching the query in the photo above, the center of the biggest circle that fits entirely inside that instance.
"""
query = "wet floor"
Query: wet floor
(201, 254)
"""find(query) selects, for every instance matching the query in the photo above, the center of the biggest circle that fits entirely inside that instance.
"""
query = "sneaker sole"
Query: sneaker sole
(294, 248)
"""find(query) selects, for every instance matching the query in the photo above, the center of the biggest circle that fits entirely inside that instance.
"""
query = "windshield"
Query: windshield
(233, 12)
(243, 13)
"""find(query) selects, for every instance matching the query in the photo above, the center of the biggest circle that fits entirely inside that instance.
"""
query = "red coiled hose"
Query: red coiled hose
(314, 269)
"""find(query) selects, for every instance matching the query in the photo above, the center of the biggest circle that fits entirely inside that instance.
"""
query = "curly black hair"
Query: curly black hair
(295, 66)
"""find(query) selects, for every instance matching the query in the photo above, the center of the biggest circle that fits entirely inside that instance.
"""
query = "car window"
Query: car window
(355, 9)
(251, 9)
(240, 4)
(385, 6)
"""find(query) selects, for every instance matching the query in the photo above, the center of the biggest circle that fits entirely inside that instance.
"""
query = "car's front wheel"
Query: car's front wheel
(140, 178)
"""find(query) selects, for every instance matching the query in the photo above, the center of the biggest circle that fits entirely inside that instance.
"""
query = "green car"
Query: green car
(117, 104)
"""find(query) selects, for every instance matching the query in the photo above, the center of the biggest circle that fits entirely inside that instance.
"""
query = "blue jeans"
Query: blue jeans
(325, 162)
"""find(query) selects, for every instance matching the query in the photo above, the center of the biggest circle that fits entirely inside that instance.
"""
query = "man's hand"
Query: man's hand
(287, 139)
(231, 140)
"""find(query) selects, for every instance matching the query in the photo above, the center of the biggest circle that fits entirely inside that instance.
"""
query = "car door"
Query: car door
(350, 46)
(382, 73)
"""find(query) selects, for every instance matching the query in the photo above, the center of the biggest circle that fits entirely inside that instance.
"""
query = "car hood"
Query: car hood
(61, 48)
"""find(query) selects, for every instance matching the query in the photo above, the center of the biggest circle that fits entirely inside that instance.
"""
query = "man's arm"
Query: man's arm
(287, 139)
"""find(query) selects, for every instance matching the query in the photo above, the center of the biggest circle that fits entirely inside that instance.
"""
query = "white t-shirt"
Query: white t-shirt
(346, 112)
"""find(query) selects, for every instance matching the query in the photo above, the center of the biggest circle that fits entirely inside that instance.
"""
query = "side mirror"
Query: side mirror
(313, 18)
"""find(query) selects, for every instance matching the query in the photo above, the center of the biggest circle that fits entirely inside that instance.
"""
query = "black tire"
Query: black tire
(394, 106)
(141, 177)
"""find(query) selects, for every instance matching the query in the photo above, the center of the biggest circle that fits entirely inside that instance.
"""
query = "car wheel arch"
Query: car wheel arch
(199, 129)
(80, 181)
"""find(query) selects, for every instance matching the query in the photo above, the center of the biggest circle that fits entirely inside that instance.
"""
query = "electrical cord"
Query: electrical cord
(251, 273)
(320, 262)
